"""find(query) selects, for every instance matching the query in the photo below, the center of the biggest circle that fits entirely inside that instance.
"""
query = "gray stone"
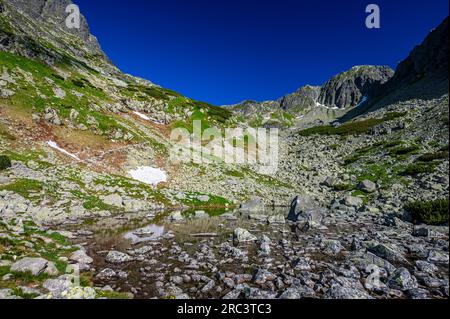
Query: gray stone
(388, 253)
(339, 292)
(200, 214)
(367, 186)
(402, 280)
(426, 267)
(437, 257)
(353, 201)
(7, 294)
(106, 274)
(35, 266)
(300, 205)
(203, 198)
(296, 293)
(57, 286)
(51, 116)
(81, 257)
(176, 216)
(262, 276)
(331, 247)
(330, 182)
(241, 235)
(418, 294)
(117, 257)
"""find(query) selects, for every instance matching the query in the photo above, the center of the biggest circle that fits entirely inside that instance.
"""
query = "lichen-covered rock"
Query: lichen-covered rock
(401, 279)
(35, 266)
(117, 257)
(241, 235)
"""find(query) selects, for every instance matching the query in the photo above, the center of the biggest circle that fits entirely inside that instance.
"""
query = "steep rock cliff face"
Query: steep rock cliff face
(304, 98)
(37, 29)
(422, 75)
(427, 65)
(348, 89)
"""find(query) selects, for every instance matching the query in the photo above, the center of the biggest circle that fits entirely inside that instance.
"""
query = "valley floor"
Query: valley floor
(376, 223)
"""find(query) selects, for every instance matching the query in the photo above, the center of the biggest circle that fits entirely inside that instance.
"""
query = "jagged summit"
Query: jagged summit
(37, 29)
(423, 74)
(344, 91)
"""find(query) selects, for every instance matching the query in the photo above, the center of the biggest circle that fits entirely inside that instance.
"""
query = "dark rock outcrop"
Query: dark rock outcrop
(427, 62)
(422, 75)
(347, 89)
(304, 98)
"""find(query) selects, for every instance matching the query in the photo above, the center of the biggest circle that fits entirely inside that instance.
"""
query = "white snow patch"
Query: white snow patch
(54, 145)
(148, 175)
(142, 116)
(146, 118)
(363, 100)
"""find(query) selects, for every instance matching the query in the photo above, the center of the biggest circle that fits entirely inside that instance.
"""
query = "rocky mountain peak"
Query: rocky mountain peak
(422, 75)
(38, 29)
(347, 89)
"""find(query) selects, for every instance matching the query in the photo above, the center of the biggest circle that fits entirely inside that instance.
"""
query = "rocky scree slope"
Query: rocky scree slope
(58, 84)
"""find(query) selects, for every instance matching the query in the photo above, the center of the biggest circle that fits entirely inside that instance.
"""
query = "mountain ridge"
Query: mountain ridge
(341, 92)
(422, 74)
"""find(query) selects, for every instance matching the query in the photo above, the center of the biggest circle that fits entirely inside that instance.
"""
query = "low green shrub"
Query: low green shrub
(350, 128)
(419, 168)
(429, 212)
(404, 150)
(344, 187)
(430, 157)
(5, 162)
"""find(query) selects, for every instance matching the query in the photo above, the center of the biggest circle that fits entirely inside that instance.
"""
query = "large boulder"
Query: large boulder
(388, 253)
(367, 186)
(35, 266)
(401, 279)
(81, 257)
(117, 257)
(353, 201)
(51, 116)
(300, 205)
(305, 211)
(241, 235)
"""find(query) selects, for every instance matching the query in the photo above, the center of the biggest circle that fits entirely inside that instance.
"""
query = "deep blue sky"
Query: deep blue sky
(225, 51)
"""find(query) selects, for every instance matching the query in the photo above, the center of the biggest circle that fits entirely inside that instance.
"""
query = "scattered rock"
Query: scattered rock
(353, 201)
(241, 235)
(367, 186)
(81, 257)
(402, 280)
(35, 266)
(116, 257)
